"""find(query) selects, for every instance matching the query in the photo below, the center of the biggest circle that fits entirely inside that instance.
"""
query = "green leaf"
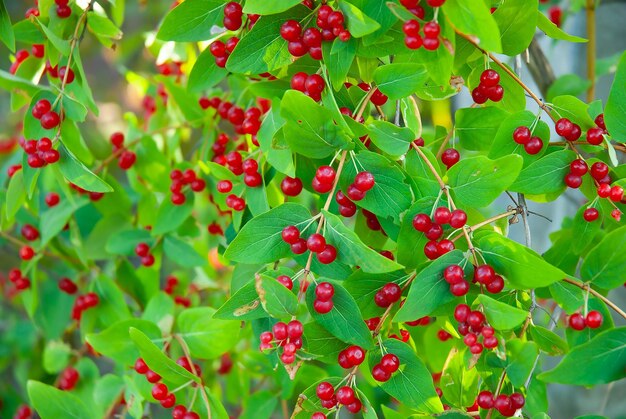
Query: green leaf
(55, 357)
(340, 321)
(599, 361)
(478, 181)
(62, 45)
(504, 145)
(603, 265)
(412, 384)
(501, 315)
(103, 27)
(390, 196)
(260, 240)
(172, 373)
(545, 176)
(567, 84)
(359, 24)
(522, 267)
(567, 106)
(76, 172)
(6, 30)
(53, 220)
(114, 341)
(276, 299)
(321, 343)
(517, 20)
(185, 100)
(206, 336)
(51, 403)
(548, 341)
(616, 104)
(170, 216)
(182, 253)
(310, 129)
(191, 20)
(390, 138)
(459, 383)
(263, 49)
(338, 57)
(268, 7)
(474, 18)
(429, 290)
(410, 241)
(520, 358)
(400, 80)
(477, 127)
(16, 195)
(351, 250)
(124, 242)
(242, 305)
(364, 286)
(546, 26)
(205, 73)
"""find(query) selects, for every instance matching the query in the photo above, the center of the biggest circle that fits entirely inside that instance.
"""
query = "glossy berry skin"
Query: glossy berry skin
(484, 274)
(485, 399)
(591, 214)
(461, 312)
(450, 157)
(533, 146)
(453, 274)
(327, 255)
(579, 167)
(442, 215)
(595, 136)
(496, 285)
(159, 391)
(291, 186)
(521, 135)
(364, 181)
(617, 193)
(325, 390)
(322, 307)
(290, 30)
(422, 222)
(390, 363)
(594, 319)
(316, 243)
(460, 288)
(380, 374)
(291, 234)
(50, 120)
(564, 127)
(489, 78)
(345, 395)
(324, 291)
(392, 292)
(577, 321)
(599, 170)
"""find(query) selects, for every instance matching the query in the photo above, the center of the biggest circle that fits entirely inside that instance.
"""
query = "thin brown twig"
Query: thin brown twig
(488, 221)
(586, 287)
(185, 349)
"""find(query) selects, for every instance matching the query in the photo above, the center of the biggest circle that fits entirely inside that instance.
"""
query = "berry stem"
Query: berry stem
(185, 349)
(475, 227)
(586, 287)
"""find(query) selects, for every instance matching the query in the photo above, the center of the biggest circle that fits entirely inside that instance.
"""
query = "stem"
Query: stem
(185, 349)
(605, 300)
(590, 8)
(489, 221)
(498, 389)
(386, 313)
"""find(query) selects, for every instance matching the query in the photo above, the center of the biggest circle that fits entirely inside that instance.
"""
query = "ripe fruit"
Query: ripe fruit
(159, 391)
(327, 255)
(50, 120)
(325, 390)
(291, 186)
(591, 214)
(594, 319)
(577, 321)
(450, 157)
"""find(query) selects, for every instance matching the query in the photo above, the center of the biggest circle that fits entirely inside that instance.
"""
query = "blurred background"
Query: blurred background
(107, 73)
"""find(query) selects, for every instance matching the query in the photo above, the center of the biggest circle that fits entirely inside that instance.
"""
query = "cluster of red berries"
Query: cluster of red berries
(126, 158)
(287, 336)
(593, 320)
(221, 51)
(244, 121)
(170, 284)
(47, 117)
(20, 282)
(363, 182)
(344, 395)
(40, 153)
(170, 68)
(414, 40)
(291, 186)
(489, 88)
(143, 251)
(181, 179)
(572, 132)
(311, 85)
(24, 411)
(26, 252)
(84, 302)
(388, 364)
(471, 326)
(323, 302)
(63, 9)
(316, 243)
(300, 43)
(324, 179)
(161, 393)
(389, 294)
(233, 14)
(351, 357)
(347, 208)
(523, 136)
(433, 229)
(68, 286)
(68, 379)
(93, 196)
(450, 157)
(506, 405)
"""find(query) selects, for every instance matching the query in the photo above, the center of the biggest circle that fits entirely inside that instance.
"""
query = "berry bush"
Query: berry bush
(293, 223)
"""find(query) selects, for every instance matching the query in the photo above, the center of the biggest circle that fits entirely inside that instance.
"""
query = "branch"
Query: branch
(606, 301)
(539, 67)
(185, 349)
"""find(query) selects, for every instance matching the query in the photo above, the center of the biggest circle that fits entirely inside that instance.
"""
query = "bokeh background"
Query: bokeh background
(107, 71)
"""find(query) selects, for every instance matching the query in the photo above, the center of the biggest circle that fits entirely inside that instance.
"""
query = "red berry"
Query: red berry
(355, 193)
(599, 170)
(316, 242)
(328, 255)
(142, 249)
(390, 363)
(600, 121)
(50, 120)
(411, 28)
(489, 78)
(579, 167)
(355, 355)
(26, 252)
(325, 390)
(442, 215)
(431, 44)
(453, 274)
(574, 134)
(484, 274)
(314, 84)
(577, 321)
(364, 181)
(285, 281)
(432, 30)
(617, 193)
(40, 108)
(485, 399)
(521, 135)
(475, 319)
(299, 247)
(591, 214)
(378, 98)
(450, 157)
(413, 42)
(159, 391)
(573, 181)
(564, 127)
(392, 292)
(380, 374)
(322, 307)
(517, 401)
(290, 30)
(126, 160)
(594, 319)
(533, 146)
(294, 329)
(595, 136)
(460, 288)
(345, 395)
(496, 285)
(152, 376)
(169, 401)
(291, 234)
(291, 186)
(68, 286)
(422, 222)
(324, 291)
(458, 218)
(298, 81)
(434, 232)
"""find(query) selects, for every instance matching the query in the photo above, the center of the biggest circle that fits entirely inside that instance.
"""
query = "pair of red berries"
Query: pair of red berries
(316, 243)
(288, 336)
(454, 275)
(84, 302)
(311, 85)
(593, 320)
(389, 294)
(363, 183)
(414, 40)
(127, 158)
(351, 357)
(48, 118)
(221, 51)
(143, 251)
(323, 302)
(489, 88)
(233, 16)
(344, 395)
(506, 405)
(162, 394)
(324, 179)
(68, 379)
(300, 43)
(579, 168)
(347, 208)
(20, 281)
(388, 364)
(40, 153)
(486, 275)
(181, 179)
(523, 136)
(235, 202)
(170, 284)
(471, 325)
(63, 9)
(414, 7)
